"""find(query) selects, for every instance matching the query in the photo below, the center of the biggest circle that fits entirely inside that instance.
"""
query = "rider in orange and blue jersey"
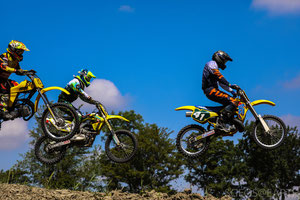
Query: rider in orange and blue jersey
(212, 79)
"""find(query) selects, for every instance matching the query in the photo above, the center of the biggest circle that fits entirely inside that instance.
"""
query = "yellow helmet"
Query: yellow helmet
(17, 48)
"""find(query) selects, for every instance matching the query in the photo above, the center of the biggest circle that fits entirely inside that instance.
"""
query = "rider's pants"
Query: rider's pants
(5, 86)
(221, 97)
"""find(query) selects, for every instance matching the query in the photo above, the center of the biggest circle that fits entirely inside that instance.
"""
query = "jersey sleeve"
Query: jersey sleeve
(75, 85)
(225, 87)
(217, 74)
(4, 65)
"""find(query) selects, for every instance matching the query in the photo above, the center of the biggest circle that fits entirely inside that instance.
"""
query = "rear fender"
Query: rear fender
(192, 108)
(36, 104)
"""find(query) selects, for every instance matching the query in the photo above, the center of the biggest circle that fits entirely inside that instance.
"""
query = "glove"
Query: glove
(236, 87)
(32, 71)
(97, 102)
(92, 101)
(234, 94)
(20, 71)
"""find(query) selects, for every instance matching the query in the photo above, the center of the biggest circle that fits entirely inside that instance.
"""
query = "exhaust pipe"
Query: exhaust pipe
(188, 114)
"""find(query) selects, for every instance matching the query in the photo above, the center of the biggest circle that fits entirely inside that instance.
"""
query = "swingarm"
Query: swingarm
(59, 144)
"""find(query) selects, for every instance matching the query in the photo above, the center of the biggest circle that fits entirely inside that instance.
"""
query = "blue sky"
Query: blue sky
(149, 55)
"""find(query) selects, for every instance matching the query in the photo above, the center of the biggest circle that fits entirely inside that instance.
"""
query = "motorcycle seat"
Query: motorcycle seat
(215, 109)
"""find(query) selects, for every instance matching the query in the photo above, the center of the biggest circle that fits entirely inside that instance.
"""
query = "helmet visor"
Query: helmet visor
(19, 52)
(88, 78)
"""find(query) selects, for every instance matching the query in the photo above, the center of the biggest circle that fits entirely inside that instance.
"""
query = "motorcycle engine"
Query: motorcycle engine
(89, 133)
(25, 110)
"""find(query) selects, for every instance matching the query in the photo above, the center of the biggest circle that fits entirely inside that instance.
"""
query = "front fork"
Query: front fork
(115, 138)
(259, 117)
(45, 99)
(256, 116)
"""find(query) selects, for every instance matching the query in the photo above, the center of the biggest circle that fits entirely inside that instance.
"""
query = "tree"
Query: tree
(154, 166)
(13, 176)
(270, 173)
(214, 170)
(246, 170)
(68, 174)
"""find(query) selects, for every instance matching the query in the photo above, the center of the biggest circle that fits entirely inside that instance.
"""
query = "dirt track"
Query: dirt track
(14, 192)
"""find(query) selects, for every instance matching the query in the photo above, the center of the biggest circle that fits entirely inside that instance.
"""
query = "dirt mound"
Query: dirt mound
(15, 192)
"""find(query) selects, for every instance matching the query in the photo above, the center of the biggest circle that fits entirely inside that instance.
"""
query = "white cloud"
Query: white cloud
(278, 7)
(13, 134)
(293, 84)
(107, 93)
(126, 8)
(291, 120)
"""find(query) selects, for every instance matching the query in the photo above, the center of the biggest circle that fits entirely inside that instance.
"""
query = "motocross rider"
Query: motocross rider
(9, 63)
(211, 79)
(76, 88)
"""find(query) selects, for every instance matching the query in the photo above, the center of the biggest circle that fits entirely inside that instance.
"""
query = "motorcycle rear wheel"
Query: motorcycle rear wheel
(185, 143)
(275, 137)
(67, 122)
(125, 151)
(46, 155)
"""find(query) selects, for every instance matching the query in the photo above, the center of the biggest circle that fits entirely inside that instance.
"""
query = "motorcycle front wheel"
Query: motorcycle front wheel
(273, 138)
(66, 124)
(123, 152)
(187, 143)
(47, 155)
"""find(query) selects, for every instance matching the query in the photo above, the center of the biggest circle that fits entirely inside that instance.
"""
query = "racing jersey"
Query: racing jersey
(7, 66)
(75, 87)
(212, 78)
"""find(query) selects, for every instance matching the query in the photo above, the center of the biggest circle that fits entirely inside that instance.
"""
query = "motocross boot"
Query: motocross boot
(6, 115)
(225, 116)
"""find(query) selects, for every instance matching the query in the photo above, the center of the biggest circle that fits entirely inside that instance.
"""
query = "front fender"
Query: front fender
(46, 90)
(117, 117)
(258, 102)
(186, 108)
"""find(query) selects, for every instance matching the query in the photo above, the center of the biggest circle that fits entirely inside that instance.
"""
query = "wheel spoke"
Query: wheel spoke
(45, 154)
(274, 137)
(189, 143)
(64, 125)
(124, 151)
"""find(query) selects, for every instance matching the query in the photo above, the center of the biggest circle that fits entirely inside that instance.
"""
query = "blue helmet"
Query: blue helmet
(85, 77)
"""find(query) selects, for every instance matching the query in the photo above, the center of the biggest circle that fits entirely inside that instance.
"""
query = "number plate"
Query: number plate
(200, 115)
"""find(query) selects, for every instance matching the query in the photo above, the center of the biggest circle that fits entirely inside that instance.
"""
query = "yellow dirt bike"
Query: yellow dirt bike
(120, 146)
(193, 140)
(19, 103)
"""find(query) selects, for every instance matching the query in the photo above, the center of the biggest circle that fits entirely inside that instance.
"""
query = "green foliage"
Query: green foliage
(270, 173)
(246, 170)
(243, 170)
(214, 170)
(13, 176)
(155, 165)
(69, 173)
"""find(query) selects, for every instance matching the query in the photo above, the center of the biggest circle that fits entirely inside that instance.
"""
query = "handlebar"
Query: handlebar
(29, 72)
(97, 103)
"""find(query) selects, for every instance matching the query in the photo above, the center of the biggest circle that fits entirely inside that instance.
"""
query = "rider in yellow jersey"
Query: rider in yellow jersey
(9, 63)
